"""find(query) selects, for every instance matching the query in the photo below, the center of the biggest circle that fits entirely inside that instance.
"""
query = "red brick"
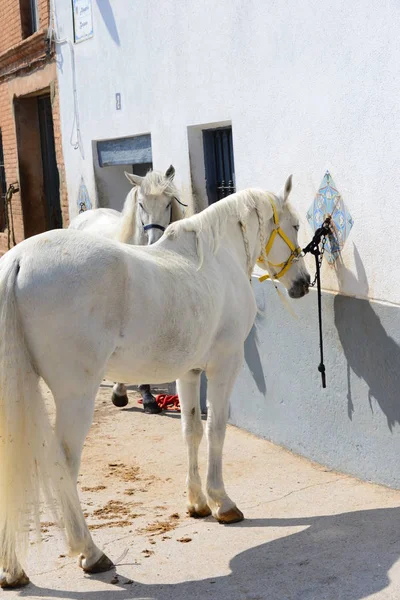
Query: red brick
(12, 36)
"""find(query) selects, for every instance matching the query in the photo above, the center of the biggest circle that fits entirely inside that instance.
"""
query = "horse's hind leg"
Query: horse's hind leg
(221, 378)
(119, 395)
(150, 405)
(12, 575)
(192, 427)
(73, 419)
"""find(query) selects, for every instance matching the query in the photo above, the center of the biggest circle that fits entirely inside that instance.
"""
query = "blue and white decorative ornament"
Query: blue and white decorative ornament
(329, 202)
(83, 198)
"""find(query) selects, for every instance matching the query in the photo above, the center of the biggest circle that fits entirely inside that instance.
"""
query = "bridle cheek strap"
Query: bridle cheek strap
(294, 252)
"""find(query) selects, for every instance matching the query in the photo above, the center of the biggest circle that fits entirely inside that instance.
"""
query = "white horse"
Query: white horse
(185, 305)
(149, 208)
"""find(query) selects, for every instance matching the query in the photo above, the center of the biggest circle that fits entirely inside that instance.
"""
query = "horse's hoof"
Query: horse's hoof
(21, 581)
(119, 401)
(103, 564)
(234, 515)
(199, 514)
(151, 408)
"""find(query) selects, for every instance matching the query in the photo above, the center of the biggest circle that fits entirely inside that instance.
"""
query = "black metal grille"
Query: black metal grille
(219, 163)
(3, 187)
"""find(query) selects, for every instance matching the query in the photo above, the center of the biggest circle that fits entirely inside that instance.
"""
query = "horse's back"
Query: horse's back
(65, 293)
(101, 221)
(66, 262)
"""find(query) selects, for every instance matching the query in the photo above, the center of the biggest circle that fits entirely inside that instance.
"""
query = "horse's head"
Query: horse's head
(157, 202)
(281, 256)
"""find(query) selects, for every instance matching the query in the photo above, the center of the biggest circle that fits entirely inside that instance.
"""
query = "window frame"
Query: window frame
(34, 15)
(29, 13)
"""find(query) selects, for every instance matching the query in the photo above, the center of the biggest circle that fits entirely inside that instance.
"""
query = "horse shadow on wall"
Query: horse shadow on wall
(253, 359)
(371, 353)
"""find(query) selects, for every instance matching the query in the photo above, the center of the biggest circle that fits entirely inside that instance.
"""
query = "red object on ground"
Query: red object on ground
(166, 402)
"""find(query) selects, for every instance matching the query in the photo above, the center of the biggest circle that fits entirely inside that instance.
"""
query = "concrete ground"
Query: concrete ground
(309, 533)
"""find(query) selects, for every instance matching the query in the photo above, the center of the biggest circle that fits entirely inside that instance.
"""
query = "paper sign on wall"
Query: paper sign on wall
(83, 20)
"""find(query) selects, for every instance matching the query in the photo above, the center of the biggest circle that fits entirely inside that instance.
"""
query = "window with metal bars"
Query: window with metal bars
(219, 163)
(3, 187)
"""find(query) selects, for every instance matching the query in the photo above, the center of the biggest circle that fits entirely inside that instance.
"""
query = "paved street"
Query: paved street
(309, 534)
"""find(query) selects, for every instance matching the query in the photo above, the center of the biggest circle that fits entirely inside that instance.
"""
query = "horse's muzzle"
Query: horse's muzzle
(300, 287)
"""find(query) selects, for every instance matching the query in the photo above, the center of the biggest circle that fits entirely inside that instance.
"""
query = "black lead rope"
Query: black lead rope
(318, 253)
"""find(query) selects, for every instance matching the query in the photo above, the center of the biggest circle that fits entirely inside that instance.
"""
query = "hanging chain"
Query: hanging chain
(314, 248)
(320, 258)
(320, 235)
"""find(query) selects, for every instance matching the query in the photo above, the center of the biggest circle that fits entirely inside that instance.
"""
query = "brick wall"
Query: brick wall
(10, 20)
(44, 8)
(55, 102)
(25, 68)
(7, 126)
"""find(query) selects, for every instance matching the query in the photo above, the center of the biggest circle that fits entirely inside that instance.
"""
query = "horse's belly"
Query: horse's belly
(137, 371)
(159, 355)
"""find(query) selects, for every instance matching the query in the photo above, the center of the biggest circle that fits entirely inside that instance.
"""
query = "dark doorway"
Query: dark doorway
(38, 172)
(51, 179)
(219, 163)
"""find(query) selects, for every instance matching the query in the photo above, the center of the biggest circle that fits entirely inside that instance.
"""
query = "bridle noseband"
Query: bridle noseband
(153, 226)
(294, 252)
(156, 225)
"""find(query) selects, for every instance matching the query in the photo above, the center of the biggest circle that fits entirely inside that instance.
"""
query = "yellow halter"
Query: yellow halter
(295, 252)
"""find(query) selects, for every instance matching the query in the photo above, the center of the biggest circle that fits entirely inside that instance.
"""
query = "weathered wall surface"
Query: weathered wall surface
(352, 425)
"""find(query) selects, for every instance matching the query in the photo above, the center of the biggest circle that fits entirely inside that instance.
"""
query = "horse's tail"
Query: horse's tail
(31, 460)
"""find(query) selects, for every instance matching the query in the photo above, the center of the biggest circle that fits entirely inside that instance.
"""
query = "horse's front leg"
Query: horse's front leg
(150, 405)
(192, 429)
(221, 377)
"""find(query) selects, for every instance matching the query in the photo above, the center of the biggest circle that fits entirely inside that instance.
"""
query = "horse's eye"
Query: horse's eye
(297, 227)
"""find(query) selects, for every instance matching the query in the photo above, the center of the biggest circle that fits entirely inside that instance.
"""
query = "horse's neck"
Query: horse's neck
(129, 230)
(244, 241)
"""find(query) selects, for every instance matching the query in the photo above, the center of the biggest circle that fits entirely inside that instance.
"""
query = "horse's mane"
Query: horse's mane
(210, 225)
(154, 183)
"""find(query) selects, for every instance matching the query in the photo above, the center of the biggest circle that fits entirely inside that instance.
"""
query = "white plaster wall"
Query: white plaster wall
(308, 86)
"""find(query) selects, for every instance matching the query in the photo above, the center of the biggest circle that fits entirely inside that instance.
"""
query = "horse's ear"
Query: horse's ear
(170, 172)
(133, 179)
(284, 193)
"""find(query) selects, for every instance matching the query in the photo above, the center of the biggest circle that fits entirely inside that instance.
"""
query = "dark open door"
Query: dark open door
(219, 163)
(51, 181)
